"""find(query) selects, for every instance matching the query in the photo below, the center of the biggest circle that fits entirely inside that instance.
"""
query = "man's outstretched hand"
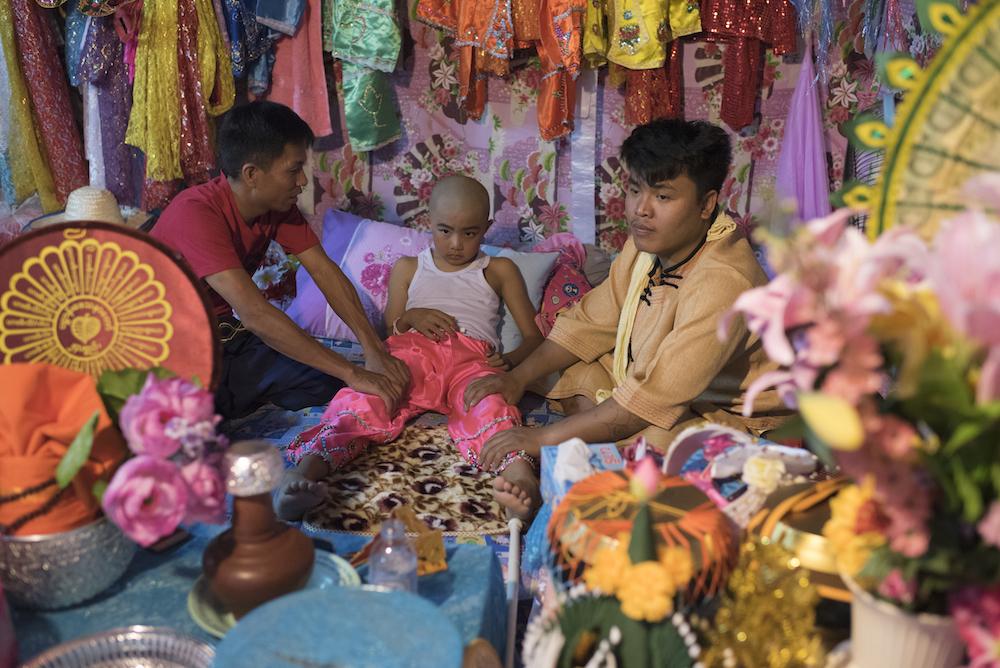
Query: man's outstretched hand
(503, 384)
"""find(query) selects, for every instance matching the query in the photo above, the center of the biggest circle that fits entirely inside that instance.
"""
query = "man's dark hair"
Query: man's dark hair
(665, 149)
(258, 133)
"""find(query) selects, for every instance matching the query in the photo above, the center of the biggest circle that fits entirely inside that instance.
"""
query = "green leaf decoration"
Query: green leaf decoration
(505, 170)
(117, 386)
(78, 453)
(519, 177)
(898, 70)
(940, 16)
(641, 546)
(867, 132)
(100, 486)
(964, 434)
(968, 491)
(818, 447)
(854, 195)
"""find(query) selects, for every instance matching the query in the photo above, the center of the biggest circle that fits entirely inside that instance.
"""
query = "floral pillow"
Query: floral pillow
(566, 287)
(366, 250)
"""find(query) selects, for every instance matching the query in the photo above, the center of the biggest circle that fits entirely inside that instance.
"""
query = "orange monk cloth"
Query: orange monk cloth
(42, 408)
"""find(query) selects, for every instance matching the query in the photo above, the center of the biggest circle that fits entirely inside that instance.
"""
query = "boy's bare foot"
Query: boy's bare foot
(517, 490)
(298, 495)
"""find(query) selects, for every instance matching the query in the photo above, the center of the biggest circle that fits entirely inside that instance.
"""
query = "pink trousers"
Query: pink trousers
(440, 372)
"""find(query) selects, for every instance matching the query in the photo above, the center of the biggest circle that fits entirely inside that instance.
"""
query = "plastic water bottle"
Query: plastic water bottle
(393, 561)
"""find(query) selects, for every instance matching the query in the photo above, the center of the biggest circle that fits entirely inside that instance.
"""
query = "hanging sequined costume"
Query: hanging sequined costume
(486, 35)
(746, 27)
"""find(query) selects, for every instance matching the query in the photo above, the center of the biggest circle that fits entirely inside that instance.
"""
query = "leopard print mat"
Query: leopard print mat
(421, 469)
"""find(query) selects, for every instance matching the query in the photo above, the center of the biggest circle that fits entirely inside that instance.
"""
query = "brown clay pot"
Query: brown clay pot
(258, 559)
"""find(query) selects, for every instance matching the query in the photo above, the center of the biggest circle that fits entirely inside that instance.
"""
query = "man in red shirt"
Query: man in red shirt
(223, 229)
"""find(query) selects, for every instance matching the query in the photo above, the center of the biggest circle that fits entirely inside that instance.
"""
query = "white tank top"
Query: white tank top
(465, 295)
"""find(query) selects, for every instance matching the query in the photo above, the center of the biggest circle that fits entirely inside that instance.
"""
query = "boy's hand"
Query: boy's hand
(502, 384)
(432, 323)
(381, 386)
(497, 361)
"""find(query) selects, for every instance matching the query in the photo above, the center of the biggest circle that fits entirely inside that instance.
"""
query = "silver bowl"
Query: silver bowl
(49, 571)
(130, 647)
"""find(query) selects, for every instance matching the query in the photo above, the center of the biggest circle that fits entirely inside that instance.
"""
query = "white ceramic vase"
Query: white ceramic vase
(882, 635)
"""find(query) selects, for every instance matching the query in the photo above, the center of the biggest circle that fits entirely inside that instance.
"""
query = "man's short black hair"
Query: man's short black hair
(665, 149)
(257, 133)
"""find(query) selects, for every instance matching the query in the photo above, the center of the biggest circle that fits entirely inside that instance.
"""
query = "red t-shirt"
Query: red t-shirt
(204, 225)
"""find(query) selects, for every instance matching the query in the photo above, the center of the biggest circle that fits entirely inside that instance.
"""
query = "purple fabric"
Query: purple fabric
(103, 65)
(801, 172)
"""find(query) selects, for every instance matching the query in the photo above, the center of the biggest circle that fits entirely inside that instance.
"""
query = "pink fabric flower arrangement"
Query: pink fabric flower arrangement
(170, 425)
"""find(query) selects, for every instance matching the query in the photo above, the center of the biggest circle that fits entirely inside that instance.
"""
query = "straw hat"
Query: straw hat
(85, 204)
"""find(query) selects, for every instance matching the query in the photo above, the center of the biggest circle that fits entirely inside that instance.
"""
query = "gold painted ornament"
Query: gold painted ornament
(767, 618)
(946, 127)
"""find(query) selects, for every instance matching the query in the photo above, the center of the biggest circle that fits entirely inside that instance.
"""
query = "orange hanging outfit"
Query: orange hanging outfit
(486, 35)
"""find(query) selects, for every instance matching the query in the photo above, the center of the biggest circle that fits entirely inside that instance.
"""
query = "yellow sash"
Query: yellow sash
(722, 226)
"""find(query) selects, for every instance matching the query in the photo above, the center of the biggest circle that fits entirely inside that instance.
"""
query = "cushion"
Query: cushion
(536, 269)
(367, 249)
(566, 287)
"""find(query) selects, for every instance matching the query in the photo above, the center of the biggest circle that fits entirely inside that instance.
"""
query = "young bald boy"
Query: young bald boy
(443, 312)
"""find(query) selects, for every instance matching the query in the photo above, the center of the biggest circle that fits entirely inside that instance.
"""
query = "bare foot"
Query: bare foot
(516, 489)
(298, 495)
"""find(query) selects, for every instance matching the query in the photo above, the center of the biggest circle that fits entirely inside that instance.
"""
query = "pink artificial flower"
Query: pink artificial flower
(645, 478)
(985, 189)
(890, 434)
(965, 273)
(787, 382)
(897, 588)
(825, 340)
(988, 387)
(770, 311)
(989, 526)
(977, 615)
(859, 372)
(827, 230)
(150, 419)
(147, 499)
(206, 499)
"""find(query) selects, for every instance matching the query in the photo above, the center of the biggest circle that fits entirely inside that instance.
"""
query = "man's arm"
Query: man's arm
(279, 332)
(341, 295)
(344, 301)
(545, 359)
(605, 423)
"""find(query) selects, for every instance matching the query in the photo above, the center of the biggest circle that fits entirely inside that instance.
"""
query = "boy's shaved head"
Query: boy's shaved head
(454, 194)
